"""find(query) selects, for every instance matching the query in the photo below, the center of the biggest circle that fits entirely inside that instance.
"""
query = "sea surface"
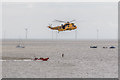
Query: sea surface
(79, 60)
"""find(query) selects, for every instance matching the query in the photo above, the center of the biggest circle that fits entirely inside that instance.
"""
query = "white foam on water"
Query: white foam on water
(16, 60)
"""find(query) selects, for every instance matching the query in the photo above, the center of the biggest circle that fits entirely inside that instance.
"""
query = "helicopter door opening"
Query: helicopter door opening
(63, 27)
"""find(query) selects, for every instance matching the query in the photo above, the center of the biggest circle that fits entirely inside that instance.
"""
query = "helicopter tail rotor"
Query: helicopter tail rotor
(50, 25)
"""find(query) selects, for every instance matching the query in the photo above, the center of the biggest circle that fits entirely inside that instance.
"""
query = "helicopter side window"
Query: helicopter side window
(63, 27)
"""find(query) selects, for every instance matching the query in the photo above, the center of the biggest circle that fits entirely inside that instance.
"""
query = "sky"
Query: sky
(36, 16)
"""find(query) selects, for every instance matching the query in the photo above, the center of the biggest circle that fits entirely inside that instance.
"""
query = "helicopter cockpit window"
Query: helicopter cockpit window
(61, 24)
(73, 25)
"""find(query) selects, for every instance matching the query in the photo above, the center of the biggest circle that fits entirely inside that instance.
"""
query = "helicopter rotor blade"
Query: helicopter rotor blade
(72, 20)
(60, 21)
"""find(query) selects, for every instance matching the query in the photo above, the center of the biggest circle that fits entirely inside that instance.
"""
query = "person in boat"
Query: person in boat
(35, 58)
(62, 55)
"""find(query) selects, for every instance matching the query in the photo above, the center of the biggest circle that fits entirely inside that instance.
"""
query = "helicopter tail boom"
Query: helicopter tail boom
(51, 27)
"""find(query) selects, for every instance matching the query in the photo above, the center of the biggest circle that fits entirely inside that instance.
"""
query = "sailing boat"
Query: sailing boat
(20, 45)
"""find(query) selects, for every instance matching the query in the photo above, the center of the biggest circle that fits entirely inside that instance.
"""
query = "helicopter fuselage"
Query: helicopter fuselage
(66, 26)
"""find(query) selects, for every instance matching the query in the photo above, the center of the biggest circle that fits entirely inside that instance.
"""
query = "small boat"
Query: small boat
(20, 46)
(112, 47)
(43, 59)
(93, 46)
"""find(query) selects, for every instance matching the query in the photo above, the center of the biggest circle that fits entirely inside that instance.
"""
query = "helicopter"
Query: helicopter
(64, 27)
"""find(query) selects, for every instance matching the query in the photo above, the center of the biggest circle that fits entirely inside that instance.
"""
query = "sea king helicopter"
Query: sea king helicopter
(64, 27)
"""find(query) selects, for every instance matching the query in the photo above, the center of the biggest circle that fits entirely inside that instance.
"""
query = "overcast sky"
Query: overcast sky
(37, 16)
